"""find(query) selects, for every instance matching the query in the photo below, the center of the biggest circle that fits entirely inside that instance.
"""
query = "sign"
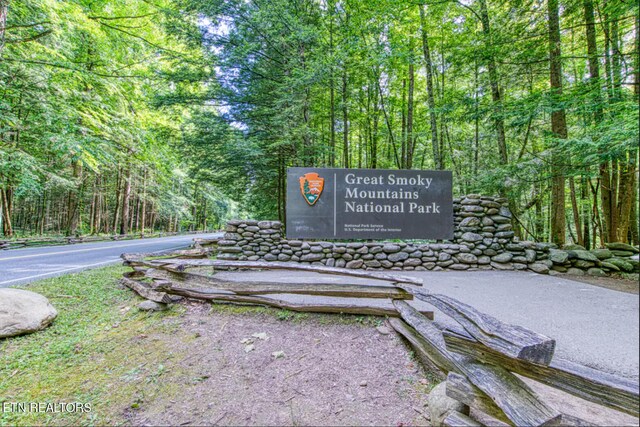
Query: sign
(369, 204)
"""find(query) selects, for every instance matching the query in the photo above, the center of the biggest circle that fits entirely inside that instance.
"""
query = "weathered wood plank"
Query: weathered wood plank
(292, 266)
(460, 388)
(519, 403)
(273, 302)
(512, 340)
(516, 399)
(434, 345)
(264, 288)
(458, 419)
(146, 292)
(590, 384)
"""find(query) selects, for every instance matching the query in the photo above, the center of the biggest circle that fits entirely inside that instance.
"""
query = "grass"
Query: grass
(99, 352)
(90, 354)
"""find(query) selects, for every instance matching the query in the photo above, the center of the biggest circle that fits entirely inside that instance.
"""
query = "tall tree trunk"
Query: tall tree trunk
(116, 209)
(73, 206)
(496, 92)
(410, 138)
(558, 127)
(433, 119)
(345, 118)
(6, 194)
(126, 195)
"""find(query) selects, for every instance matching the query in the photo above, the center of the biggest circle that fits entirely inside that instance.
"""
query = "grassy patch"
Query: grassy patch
(103, 351)
(95, 352)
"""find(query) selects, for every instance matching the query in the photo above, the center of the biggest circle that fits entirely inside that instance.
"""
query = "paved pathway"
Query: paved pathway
(19, 266)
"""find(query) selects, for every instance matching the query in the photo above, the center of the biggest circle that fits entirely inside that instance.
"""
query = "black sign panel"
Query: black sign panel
(369, 204)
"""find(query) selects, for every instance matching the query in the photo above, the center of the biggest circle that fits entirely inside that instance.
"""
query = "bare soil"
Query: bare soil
(308, 371)
(629, 284)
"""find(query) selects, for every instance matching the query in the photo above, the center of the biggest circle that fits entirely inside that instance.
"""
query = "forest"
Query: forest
(123, 116)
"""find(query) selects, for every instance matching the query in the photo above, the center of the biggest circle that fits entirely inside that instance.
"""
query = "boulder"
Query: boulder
(609, 266)
(621, 247)
(398, 256)
(539, 268)
(597, 272)
(623, 254)
(558, 256)
(355, 264)
(575, 271)
(503, 257)
(602, 253)
(440, 405)
(391, 248)
(471, 237)
(467, 258)
(24, 312)
(148, 305)
(622, 264)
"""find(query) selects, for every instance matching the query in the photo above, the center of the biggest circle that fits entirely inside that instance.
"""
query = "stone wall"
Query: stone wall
(483, 240)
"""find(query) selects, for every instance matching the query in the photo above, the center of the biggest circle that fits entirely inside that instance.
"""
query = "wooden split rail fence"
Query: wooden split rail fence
(479, 358)
(70, 240)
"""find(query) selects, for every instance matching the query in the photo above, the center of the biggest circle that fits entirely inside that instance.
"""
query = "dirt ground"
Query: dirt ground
(248, 369)
(629, 284)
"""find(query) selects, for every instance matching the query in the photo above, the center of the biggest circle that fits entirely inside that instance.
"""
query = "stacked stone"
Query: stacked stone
(576, 260)
(251, 240)
(483, 240)
(483, 224)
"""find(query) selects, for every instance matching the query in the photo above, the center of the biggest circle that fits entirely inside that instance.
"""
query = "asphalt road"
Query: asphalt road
(26, 265)
(592, 326)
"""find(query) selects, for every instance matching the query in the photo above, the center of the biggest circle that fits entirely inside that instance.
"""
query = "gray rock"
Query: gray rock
(340, 263)
(575, 271)
(557, 256)
(618, 253)
(602, 253)
(312, 257)
(597, 272)
(467, 258)
(499, 219)
(397, 256)
(504, 234)
(539, 268)
(609, 266)
(373, 263)
(331, 262)
(484, 260)
(622, 264)
(412, 262)
(471, 237)
(470, 222)
(505, 212)
(284, 257)
(530, 255)
(473, 208)
(148, 305)
(502, 258)
(459, 266)
(502, 266)
(584, 255)
(580, 263)
(391, 248)
(440, 405)
(444, 256)
(622, 247)
(270, 257)
(24, 312)
(355, 264)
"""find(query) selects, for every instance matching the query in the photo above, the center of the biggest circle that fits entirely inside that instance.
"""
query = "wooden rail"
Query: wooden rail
(482, 358)
(71, 240)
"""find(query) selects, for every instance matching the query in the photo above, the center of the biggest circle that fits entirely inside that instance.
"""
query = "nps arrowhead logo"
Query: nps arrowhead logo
(311, 186)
